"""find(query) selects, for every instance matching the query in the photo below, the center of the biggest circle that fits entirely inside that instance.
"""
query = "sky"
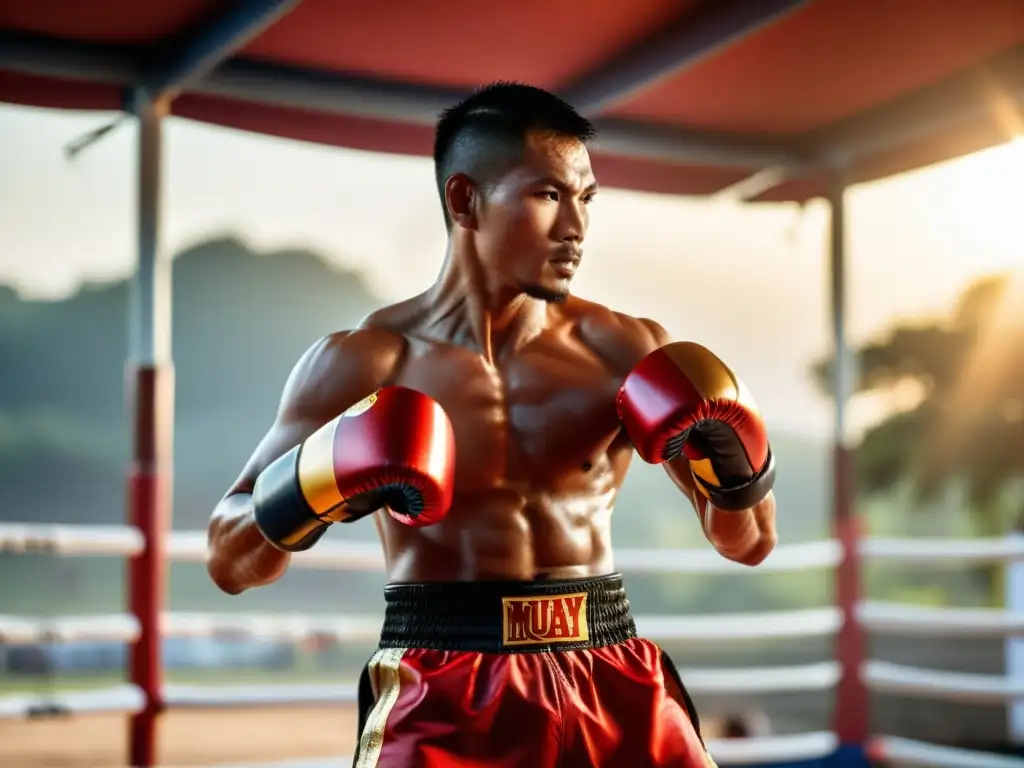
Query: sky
(748, 281)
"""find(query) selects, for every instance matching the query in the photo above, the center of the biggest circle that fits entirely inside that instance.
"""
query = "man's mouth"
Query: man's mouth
(565, 266)
(568, 256)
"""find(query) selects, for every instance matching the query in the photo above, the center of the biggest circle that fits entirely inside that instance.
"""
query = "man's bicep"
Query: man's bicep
(332, 375)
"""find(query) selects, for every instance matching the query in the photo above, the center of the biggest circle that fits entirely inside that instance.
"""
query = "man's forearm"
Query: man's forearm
(238, 556)
(747, 536)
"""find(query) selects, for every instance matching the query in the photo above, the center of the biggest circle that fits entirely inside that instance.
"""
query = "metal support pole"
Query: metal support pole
(150, 400)
(851, 709)
(1013, 648)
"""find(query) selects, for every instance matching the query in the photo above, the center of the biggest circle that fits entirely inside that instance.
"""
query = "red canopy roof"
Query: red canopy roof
(691, 96)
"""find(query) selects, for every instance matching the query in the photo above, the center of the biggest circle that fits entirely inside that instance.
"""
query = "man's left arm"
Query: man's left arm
(747, 536)
(684, 408)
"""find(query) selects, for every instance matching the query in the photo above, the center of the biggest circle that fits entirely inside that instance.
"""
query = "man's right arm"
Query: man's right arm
(332, 375)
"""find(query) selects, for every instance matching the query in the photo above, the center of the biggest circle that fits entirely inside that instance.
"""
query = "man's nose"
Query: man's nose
(574, 222)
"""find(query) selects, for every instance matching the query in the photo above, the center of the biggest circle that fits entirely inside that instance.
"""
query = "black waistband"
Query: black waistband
(507, 616)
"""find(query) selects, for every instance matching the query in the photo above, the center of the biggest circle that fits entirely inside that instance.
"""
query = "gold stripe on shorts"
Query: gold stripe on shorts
(385, 676)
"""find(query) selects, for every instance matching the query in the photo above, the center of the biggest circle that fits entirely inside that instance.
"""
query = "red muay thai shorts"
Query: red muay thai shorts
(521, 675)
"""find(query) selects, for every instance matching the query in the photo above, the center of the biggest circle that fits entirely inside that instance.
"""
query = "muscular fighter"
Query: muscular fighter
(486, 426)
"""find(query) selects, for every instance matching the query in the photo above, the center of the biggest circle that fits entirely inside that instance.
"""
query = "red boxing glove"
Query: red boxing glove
(395, 448)
(683, 399)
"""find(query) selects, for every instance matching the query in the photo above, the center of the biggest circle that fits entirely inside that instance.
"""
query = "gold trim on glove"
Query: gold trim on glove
(317, 482)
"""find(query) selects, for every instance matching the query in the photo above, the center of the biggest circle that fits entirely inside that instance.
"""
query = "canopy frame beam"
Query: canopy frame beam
(199, 51)
(690, 39)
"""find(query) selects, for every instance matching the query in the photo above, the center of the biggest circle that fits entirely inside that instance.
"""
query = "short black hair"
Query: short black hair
(485, 133)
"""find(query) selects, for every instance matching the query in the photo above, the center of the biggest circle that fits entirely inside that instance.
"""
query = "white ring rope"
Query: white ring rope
(918, 620)
(120, 699)
(885, 677)
(23, 630)
(362, 556)
(789, 557)
(790, 679)
(190, 546)
(24, 538)
(251, 695)
(126, 698)
(758, 751)
(897, 751)
(944, 551)
(273, 626)
(15, 630)
(819, 676)
(881, 618)
(740, 627)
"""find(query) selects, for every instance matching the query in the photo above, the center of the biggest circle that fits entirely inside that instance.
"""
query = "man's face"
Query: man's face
(533, 220)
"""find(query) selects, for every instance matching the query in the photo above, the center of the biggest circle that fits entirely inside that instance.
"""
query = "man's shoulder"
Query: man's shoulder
(367, 339)
(597, 315)
(383, 332)
(370, 351)
(338, 370)
(616, 336)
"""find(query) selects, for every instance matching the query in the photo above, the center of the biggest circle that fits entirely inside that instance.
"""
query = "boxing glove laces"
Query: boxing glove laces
(395, 448)
(681, 399)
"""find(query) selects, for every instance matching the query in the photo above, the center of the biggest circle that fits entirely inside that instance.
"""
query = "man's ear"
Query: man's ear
(461, 197)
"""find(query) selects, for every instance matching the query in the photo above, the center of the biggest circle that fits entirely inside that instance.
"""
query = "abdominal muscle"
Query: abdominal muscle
(502, 534)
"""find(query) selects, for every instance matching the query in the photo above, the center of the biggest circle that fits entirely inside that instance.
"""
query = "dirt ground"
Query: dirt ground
(187, 738)
(191, 738)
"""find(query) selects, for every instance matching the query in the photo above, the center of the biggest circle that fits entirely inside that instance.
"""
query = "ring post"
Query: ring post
(150, 401)
(851, 707)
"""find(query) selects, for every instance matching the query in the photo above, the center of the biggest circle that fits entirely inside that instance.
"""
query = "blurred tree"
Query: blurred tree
(956, 389)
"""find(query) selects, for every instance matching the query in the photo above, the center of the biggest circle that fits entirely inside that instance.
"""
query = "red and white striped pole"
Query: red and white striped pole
(150, 398)
(851, 717)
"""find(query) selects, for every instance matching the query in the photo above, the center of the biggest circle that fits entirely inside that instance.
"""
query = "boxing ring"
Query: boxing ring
(208, 73)
(146, 697)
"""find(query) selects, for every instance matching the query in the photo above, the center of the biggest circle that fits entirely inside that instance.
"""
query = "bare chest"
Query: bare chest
(538, 418)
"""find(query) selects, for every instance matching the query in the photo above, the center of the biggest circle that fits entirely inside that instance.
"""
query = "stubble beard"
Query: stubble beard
(546, 295)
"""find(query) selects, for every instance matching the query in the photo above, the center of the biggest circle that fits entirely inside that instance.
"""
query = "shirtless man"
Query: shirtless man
(486, 426)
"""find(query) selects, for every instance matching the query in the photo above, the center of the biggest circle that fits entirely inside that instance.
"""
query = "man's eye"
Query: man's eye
(549, 194)
(588, 199)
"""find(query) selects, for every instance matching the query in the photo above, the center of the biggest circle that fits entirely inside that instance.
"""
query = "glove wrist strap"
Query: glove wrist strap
(280, 510)
(743, 496)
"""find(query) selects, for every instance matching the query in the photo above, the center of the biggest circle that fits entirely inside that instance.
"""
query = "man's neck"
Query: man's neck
(465, 309)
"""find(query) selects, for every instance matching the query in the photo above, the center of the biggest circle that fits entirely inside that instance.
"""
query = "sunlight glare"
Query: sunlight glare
(989, 201)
